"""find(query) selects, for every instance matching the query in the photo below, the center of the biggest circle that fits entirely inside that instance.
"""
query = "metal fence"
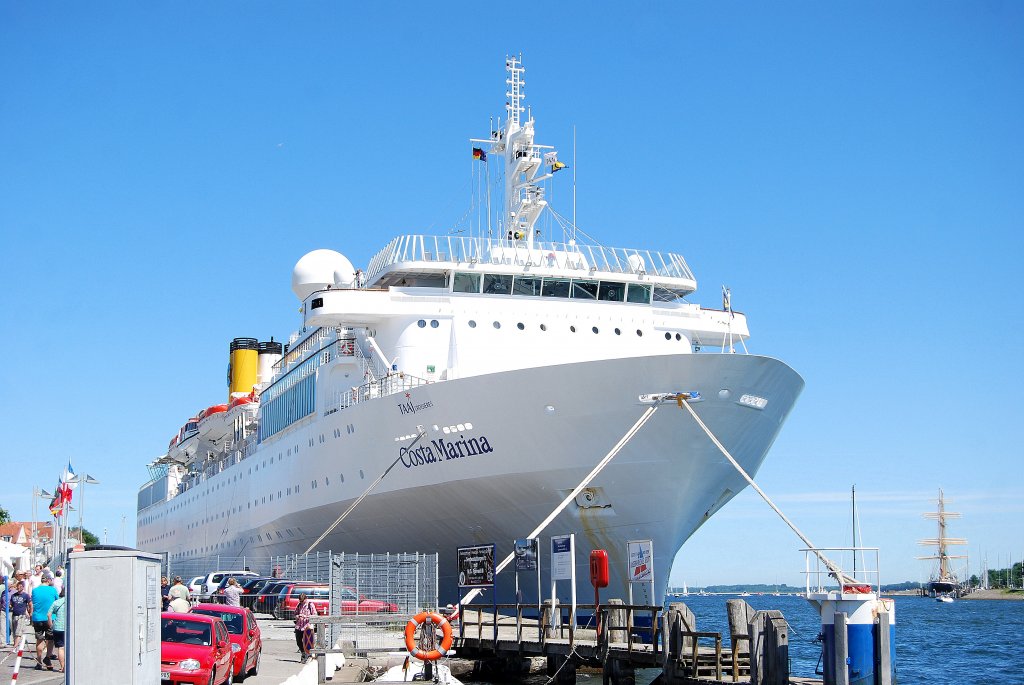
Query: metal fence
(372, 596)
(191, 568)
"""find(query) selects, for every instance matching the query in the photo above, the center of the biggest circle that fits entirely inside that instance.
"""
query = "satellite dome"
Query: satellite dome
(320, 269)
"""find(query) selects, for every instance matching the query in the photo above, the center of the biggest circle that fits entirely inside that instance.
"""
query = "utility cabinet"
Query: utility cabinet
(113, 621)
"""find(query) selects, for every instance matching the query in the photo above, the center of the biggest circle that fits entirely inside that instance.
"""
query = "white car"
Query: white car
(212, 581)
(195, 586)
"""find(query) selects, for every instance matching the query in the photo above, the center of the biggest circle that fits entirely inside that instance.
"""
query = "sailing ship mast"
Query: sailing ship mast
(943, 541)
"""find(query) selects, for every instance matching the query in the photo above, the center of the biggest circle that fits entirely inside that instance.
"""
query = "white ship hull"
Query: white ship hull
(535, 433)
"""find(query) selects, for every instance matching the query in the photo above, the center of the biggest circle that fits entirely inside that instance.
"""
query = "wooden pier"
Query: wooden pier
(632, 636)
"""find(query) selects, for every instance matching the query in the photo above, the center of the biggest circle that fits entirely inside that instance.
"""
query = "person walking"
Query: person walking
(233, 594)
(43, 598)
(56, 618)
(178, 596)
(164, 587)
(58, 580)
(21, 611)
(5, 593)
(303, 629)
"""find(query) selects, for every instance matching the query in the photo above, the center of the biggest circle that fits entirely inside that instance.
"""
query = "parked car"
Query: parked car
(244, 631)
(214, 579)
(243, 582)
(265, 600)
(195, 586)
(349, 602)
(194, 650)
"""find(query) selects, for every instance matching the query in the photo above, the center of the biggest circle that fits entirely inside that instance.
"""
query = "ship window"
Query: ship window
(433, 323)
(555, 287)
(341, 477)
(543, 327)
(678, 337)
(497, 284)
(582, 289)
(466, 283)
(594, 329)
(668, 336)
(639, 294)
(618, 332)
(497, 324)
(317, 303)
(472, 324)
(421, 323)
(526, 286)
(613, 292)
(520, 325)
(572, 329)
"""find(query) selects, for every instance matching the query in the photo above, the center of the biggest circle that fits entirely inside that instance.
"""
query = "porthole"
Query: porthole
(421, 323)
(678, 337)
(594, 329)
(497, 324)
(618, 332)
(341, 477)
(639, 333)
(668, 336)
(472, 324)
(361, 474)
(433, 323)
(572, 329)
(520, 326)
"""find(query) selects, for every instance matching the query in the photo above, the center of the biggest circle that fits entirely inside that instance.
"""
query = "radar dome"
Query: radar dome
(319, 269)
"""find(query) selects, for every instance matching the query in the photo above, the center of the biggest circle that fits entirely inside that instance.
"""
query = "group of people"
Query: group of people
(37, 604)
(175, 597)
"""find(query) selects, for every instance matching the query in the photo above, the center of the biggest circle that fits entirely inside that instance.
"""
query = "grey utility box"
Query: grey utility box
(113, 621)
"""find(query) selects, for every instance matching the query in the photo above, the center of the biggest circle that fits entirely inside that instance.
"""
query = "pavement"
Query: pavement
(280, 664)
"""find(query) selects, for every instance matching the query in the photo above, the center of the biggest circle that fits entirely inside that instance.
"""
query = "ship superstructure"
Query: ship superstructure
(944, 580)
(496, 370)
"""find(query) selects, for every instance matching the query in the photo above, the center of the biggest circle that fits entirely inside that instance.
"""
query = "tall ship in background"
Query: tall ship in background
(944, 581)
(494, 370)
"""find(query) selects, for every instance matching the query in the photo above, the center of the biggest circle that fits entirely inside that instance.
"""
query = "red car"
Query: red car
(246, 639)
(319, 595)
(194, 650)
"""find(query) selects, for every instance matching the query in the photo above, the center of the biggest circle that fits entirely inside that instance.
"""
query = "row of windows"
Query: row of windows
(572, 329)
(578, 288)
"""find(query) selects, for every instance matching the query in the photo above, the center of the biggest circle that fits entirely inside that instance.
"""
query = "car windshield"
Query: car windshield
(233, 620)
(185, 632)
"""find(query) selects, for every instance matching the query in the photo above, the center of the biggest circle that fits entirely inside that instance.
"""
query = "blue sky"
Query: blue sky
(853, 171)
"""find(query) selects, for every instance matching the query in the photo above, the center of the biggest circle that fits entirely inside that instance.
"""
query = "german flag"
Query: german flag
(479, 154)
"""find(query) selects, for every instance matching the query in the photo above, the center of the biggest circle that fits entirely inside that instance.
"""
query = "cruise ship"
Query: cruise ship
(486, 373)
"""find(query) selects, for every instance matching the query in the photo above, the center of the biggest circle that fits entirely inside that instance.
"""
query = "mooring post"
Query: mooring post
(842, 649)
(616, 621)
(883, 655)
(777, 648)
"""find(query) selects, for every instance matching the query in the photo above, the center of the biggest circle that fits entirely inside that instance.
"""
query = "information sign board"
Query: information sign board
(561, 557)
(476, 566)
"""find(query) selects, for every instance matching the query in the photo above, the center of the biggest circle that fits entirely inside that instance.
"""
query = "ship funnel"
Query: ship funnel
(319, 270)
(242, 367)
(270, 354)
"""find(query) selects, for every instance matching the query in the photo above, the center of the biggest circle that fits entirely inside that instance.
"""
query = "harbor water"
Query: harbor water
(968, 641)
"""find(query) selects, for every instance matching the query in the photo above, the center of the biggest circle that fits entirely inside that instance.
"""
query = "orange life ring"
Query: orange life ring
(428, 617)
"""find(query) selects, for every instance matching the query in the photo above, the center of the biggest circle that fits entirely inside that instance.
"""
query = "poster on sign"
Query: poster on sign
(476, 566)
(561, 557)
(641, 561)
(526, 554)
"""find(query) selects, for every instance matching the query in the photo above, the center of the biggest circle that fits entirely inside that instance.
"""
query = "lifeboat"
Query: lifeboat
(211, 422)
(180, 444)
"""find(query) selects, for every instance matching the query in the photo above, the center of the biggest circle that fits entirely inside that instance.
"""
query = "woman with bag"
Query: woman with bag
(303, 629)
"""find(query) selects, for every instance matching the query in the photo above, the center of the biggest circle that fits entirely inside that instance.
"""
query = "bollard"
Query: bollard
(616, 621)
(840, 666)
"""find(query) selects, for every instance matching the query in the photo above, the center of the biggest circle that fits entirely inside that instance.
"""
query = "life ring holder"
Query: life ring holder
(429, 617)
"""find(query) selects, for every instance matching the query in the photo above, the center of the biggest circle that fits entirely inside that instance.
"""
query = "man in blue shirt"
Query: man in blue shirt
(42, 598)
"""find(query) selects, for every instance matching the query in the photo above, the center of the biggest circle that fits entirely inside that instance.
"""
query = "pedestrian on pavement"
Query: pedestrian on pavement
(21, 611)
(34, 580)
(179, 596)
(43, 598)
(165, 585)
(5, 592)
(233, 594)
(58, 580)
(56, 618)
(303, 629)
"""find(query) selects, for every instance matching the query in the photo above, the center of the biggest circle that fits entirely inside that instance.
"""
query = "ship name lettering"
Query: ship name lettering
(443, 450)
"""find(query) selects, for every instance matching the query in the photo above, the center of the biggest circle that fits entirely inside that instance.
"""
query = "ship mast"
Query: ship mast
(943, 540)
(526, 165)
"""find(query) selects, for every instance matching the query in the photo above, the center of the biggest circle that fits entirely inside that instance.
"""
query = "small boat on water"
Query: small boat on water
(944, 598)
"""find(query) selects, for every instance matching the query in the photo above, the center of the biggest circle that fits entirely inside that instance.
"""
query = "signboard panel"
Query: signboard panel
(527, 551)
(476, 566)
(561, 557)
(641, 561)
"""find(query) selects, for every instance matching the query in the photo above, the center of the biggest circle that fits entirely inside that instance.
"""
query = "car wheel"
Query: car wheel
(256, 666)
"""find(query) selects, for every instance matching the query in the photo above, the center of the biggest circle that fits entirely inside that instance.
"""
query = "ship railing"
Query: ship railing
(314, 340)
(340, 347)
(391, 384)
(859, 564)
(563, 256)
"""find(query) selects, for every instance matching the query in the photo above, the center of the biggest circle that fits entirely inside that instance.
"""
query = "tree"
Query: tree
(4, 516)
(86, 537)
